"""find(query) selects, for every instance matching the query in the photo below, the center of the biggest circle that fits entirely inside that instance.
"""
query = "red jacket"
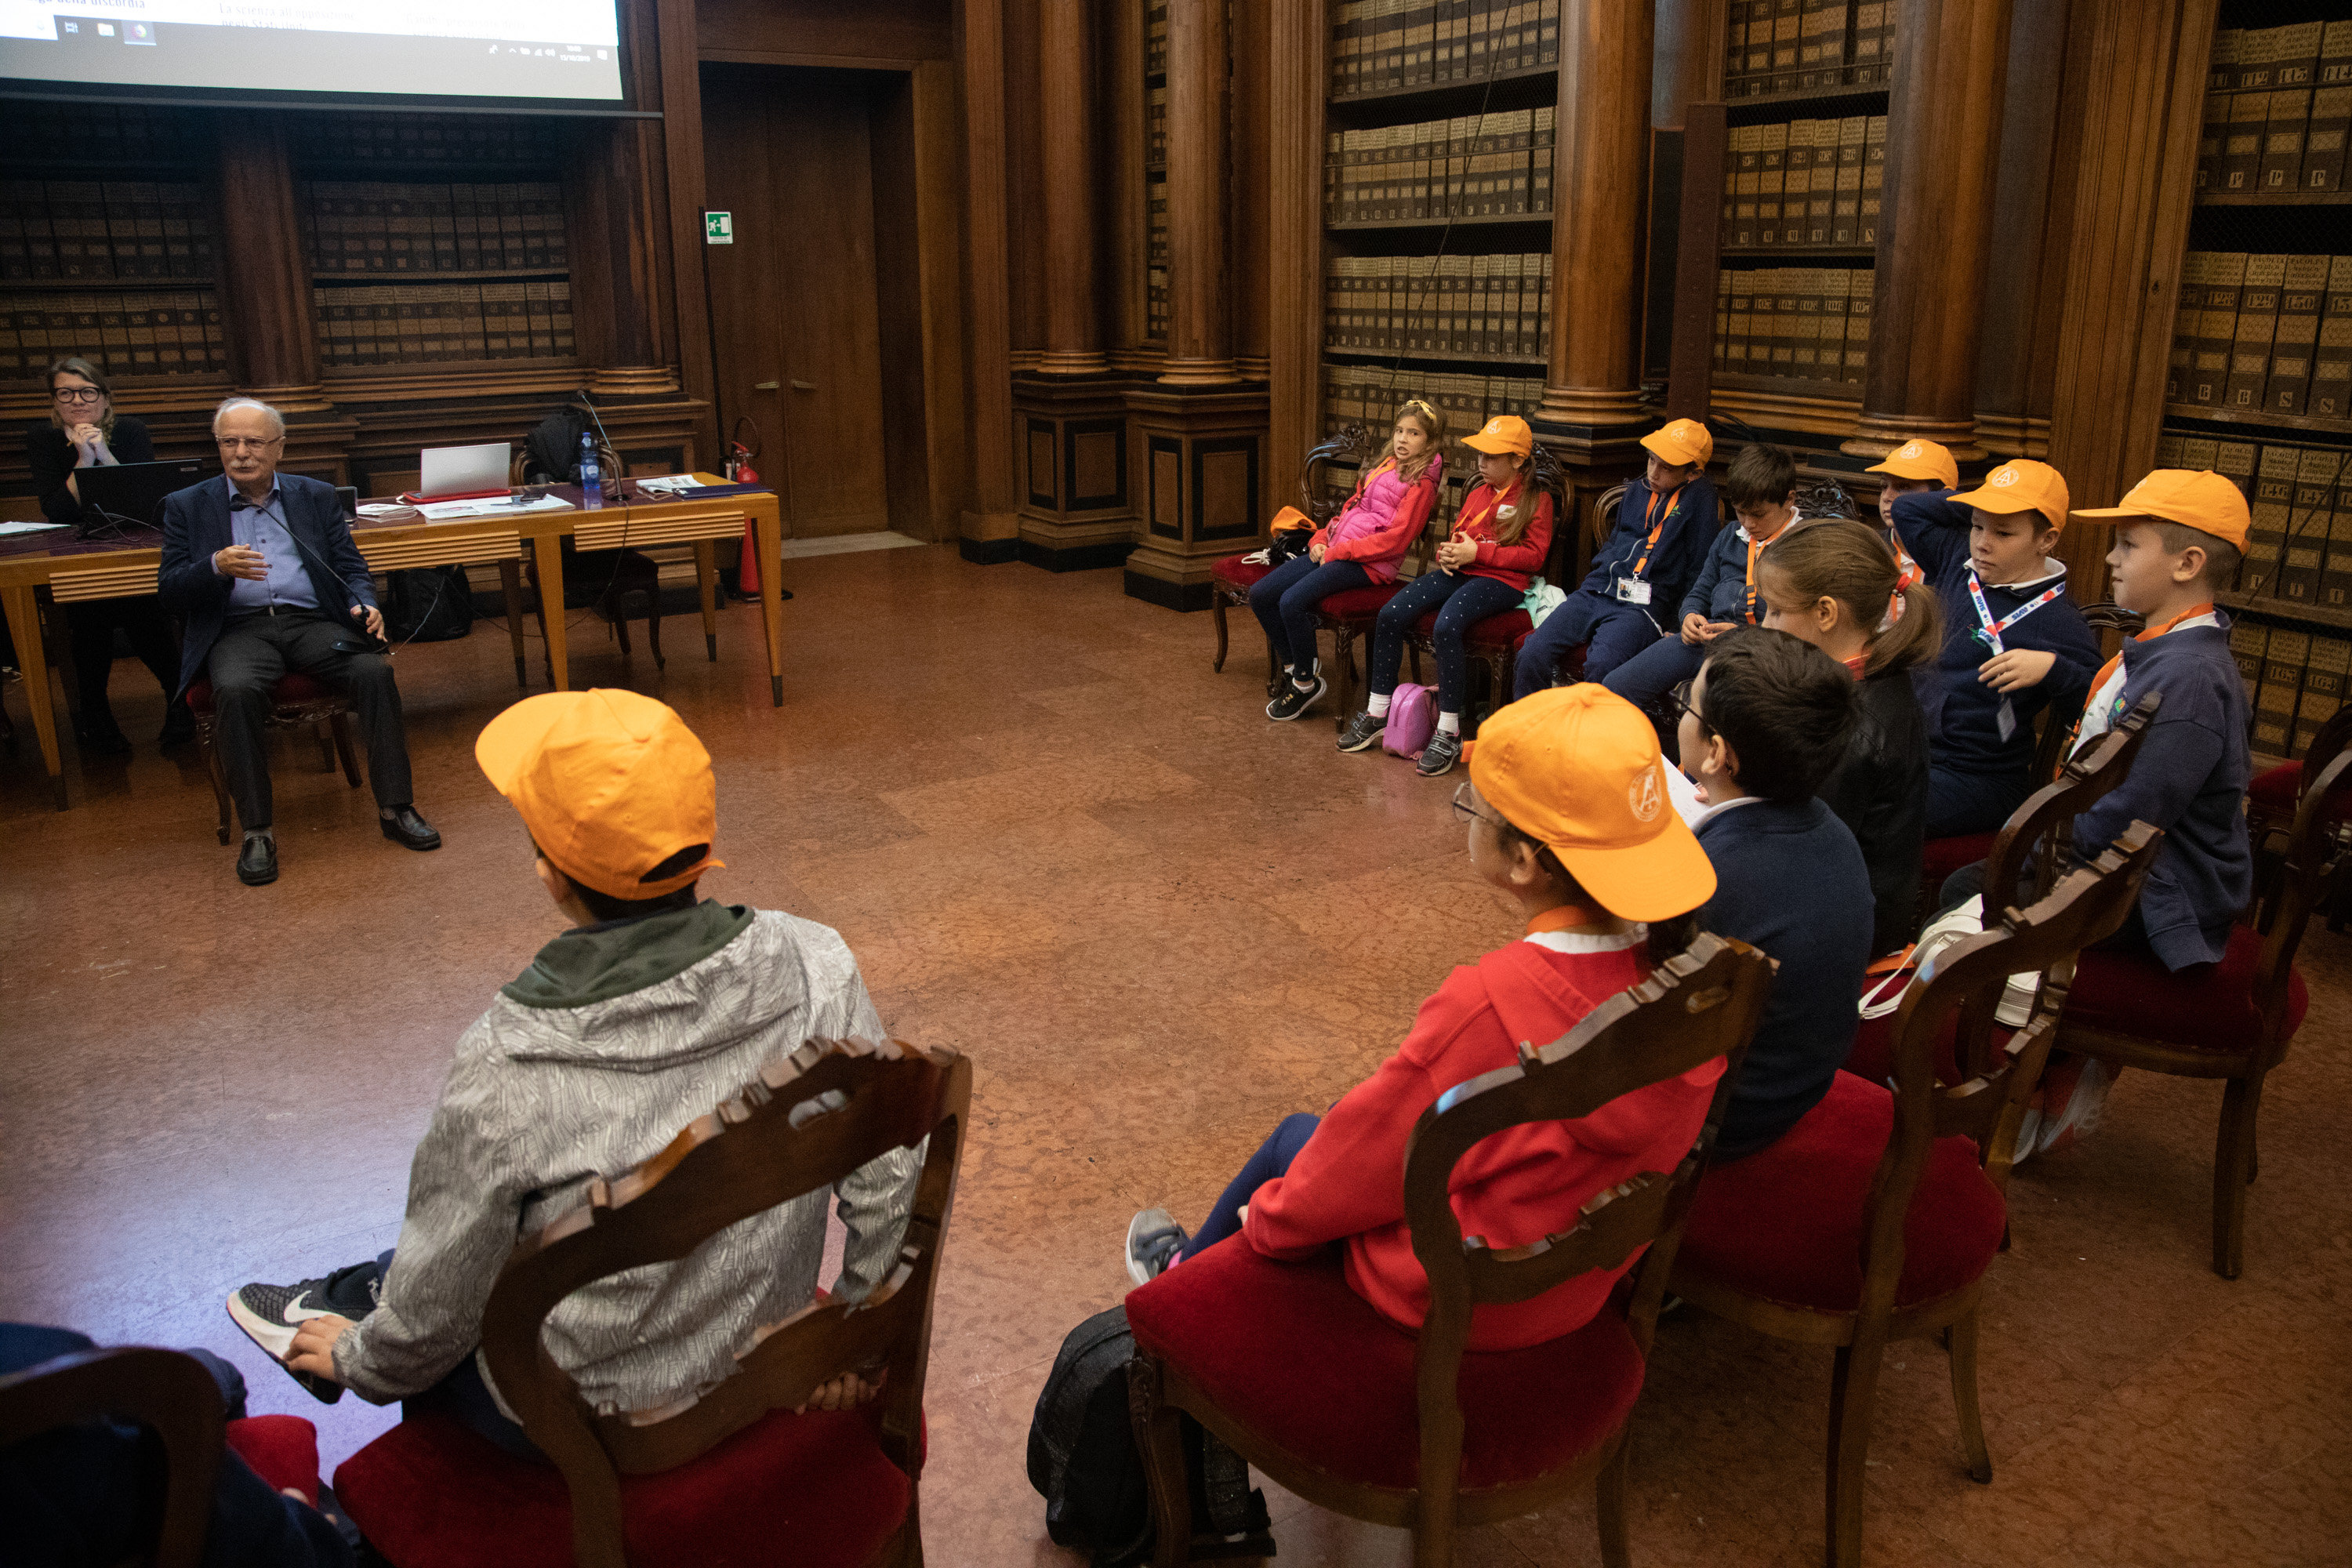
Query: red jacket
(1347, 1184)
(1511, 563)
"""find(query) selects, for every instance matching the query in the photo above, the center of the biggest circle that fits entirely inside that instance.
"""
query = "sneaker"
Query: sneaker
(270, 1315)
(1153, 1239)
(1296, 700)
(1440, 755)
(2073, 1095)
(1364, 732)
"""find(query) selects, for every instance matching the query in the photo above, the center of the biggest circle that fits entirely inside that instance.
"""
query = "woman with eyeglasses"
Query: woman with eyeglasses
(83, 431)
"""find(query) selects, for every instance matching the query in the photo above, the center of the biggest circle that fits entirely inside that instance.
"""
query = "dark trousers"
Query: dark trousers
(1284, 600)
(1272, 1159)
(1960, 804)
(462, 1395)
(93, 624)
(1646, 677)
(253, 652)
(1461, 601)
(1611, 632)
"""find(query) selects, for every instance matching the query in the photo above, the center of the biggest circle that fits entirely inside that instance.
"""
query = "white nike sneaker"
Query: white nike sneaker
(270, 1315)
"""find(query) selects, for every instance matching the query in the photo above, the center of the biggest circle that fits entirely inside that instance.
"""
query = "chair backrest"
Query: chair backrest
(2088, 906)
(2318, 848)
(171, 1393)
(1603, 520)
(2327, 742)
(2042, 820)
(1699, 1005)
(1351, 444)
(804, 1123)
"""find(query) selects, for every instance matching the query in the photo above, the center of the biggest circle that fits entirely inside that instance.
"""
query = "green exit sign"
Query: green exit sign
(718, 229)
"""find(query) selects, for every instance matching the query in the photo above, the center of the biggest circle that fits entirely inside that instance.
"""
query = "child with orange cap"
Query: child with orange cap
(653, 1008)
(1498, 542)
(1916, 468)
(2014, 643)
(1568, 816)
(1667, 521)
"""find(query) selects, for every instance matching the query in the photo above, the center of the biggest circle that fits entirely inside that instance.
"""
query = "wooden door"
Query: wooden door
(794, 317)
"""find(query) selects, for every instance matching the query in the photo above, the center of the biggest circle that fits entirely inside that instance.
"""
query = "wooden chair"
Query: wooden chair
(2272, 800)
(296, 701)
(1310, 1384)
(2232, 1020)
(1232, 578)
(1493, 645)
(627, 572)
(169, 1394)
(1874, 1217)
(735, 1475)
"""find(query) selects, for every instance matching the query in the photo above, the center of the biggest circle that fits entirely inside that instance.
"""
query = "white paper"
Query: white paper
(9, 528)
(1685, 794)
(445, 511)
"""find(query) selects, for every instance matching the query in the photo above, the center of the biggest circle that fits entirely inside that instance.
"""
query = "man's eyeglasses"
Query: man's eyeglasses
(78, 395)
(245, 443)
(1682, 698)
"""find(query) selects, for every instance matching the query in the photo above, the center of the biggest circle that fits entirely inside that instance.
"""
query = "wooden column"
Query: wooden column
(265, 277)
(989, 521)
(1295, 92)
(1599, 183)
(615, 284)
(1066, 58)
(1200, 271)
(682, 142)
(1251, 45)
(1951, 60)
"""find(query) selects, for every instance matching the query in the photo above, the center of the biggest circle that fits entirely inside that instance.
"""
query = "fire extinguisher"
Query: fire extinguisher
(740, 471)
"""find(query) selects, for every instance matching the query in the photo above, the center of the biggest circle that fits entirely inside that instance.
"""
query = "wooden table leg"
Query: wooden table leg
(511, 580)
(551, 603)
(770, 522)
(25, 630)
(705, 576)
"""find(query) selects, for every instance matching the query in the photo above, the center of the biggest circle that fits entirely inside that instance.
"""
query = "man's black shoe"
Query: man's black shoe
(101, 738)
(179, 725)
(405, 829)
(257, 865)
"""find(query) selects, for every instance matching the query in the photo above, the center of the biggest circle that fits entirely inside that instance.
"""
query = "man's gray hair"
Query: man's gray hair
(230, 405)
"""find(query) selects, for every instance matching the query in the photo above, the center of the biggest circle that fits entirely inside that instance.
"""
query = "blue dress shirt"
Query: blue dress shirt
(262, 528)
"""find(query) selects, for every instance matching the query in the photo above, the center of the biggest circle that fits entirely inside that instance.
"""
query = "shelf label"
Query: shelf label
(718, 229)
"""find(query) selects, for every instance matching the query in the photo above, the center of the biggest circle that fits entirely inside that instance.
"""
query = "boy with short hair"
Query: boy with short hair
(1666, 523)
(1916, 468)
(2013, 642)
(654, 1008)
(1762, 485)
(1764, 722)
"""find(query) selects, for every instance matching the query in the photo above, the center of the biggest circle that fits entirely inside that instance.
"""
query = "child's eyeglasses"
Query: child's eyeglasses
(1682, 699)
(1469, 813)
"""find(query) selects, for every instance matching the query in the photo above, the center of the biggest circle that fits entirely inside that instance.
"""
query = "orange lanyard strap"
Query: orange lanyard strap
(2108, 670)
(1657, 531)
(1748, 594)
(1494, 504)
(1560, 917)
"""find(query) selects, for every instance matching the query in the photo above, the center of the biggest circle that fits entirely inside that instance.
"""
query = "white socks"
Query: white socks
(1376, 705)
(1449, 723)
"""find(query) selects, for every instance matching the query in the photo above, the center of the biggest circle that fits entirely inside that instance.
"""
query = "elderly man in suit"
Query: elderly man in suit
(262, 566)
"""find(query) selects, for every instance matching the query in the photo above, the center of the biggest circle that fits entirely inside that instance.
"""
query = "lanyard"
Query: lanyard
(1989, 630)
(1907, 570)
(1657, 529)
(1494, 500)
(2108, 672)
(1560, 917)
(1747, 595)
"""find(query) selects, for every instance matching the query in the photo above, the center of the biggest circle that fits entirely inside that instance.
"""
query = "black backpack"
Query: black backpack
(1083, 1460)
(428, 603)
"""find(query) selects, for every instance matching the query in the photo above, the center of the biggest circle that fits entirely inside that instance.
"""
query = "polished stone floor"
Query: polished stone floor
(1158, 923)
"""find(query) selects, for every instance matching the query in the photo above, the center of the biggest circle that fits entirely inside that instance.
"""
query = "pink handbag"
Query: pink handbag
(1412, 719)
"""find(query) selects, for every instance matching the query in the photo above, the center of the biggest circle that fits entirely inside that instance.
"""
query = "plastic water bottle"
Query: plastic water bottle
(592, 484)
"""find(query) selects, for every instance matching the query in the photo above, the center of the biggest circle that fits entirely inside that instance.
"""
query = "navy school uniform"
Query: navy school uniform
(1610, 624)
(1978, 772)
(1721, 591)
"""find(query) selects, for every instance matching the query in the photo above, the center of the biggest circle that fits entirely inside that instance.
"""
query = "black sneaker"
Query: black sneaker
(270, 1315)
(1295, 700)
(1439, 756)
(1153, 1240)
(1363, 733)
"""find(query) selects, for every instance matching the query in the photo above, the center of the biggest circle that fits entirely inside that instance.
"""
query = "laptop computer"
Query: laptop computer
(454, 473)
(132, 493)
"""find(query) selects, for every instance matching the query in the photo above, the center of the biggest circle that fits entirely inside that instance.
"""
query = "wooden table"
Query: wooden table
(74, 570)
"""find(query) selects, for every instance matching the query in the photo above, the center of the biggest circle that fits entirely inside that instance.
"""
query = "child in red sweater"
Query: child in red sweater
(1569, 815)
(1499, 539)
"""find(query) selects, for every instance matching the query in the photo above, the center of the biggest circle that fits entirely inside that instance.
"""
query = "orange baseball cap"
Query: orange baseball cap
(1578, 768)
(610, 784)
(1920, 460)
(1503, 433)
(2193, 498)
(1684, 441)
(2022, 485)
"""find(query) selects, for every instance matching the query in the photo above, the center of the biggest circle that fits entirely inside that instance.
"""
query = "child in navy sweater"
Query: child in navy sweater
(2014, 643)
(1762, 485)
(1762, 726)
(1667, 521)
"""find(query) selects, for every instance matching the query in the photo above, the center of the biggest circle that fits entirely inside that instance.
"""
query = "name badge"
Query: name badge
(1632, 590)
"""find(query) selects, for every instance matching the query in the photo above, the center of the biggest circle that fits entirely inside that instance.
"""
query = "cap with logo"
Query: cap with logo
(2193, 498)
(1681, 442)
(1578, 768)
(612, 785)
(1920, 460)
(2021, 486)
(1504, 433)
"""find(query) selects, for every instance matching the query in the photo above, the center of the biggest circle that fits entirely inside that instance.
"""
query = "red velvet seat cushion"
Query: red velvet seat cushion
(1360, 603)
(2275, 789)
(292, 687)
(1506, 630)
(282, 1449)
(2207, 1008)
(1873, 1056)
(815, 1489)
(1239, 572)
(1785, 1223)
(1294, 1354)
(1945, 855)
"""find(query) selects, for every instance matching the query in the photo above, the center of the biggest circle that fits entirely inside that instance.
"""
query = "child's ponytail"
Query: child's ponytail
(1837, 558)
(1913, 636)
